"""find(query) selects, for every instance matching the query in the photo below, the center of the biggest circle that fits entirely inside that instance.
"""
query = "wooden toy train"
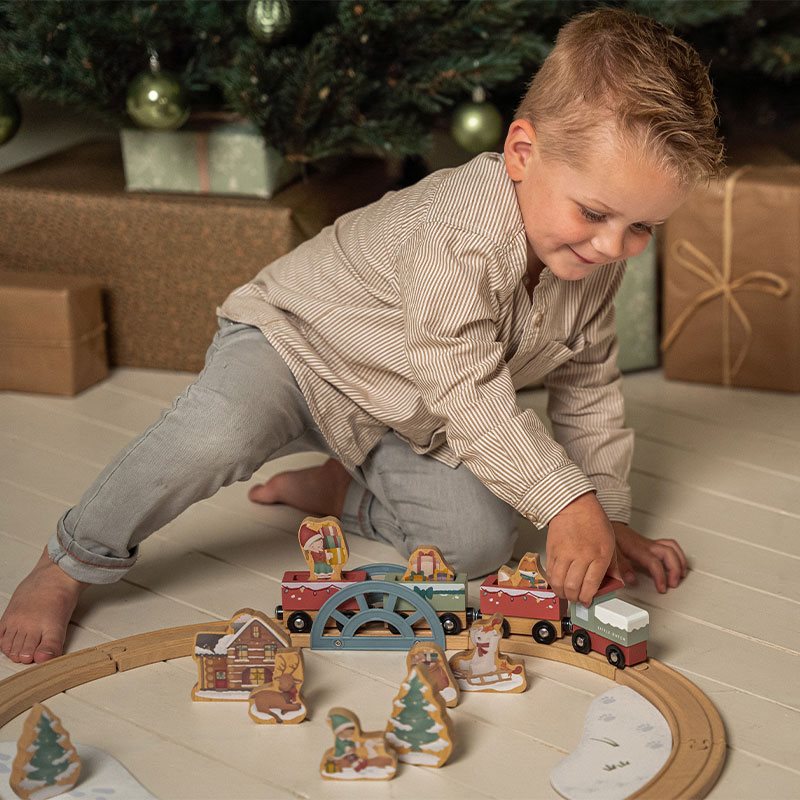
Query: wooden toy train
(389, 607)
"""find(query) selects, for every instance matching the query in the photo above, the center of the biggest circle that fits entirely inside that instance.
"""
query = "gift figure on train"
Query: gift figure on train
(324, 547)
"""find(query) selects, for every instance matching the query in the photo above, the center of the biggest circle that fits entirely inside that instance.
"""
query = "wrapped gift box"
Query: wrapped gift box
(52, 334)
(166, 261)
(732, 281)
(228, 158)
(637, 312)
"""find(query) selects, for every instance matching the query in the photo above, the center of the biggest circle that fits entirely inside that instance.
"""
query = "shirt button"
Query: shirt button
(537, 319)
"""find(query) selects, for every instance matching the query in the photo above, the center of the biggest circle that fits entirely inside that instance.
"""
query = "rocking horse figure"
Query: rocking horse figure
(483, 668)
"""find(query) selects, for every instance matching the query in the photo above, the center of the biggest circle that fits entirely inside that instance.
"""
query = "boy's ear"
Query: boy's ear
(519, 148)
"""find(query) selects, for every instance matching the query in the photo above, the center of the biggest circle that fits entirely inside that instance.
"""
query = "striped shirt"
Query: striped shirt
(412, 315)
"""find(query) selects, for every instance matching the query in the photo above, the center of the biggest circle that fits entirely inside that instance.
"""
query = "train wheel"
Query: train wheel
(581, 642)
(506, 629)
(451, 624)
(615, 656)
(299, 622)
(544, 633)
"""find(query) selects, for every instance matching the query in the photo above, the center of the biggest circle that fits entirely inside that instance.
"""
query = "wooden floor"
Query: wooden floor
(717, 469)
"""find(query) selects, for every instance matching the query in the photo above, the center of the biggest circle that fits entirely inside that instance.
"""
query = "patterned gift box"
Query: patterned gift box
(225, 158)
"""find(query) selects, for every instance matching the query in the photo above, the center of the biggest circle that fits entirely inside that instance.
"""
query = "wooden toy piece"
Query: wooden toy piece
(47, 764)
(280, 700)
(433, 658)
(482, 667)
(689, 772)
(427, 564)
(356, 755)
(419, 728)
(617, 629)
(231, 664)
(523, 596)
(324, 547)
(528, 574)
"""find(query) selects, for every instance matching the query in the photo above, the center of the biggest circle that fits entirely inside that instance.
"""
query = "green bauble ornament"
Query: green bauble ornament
(477, 126)
(157, 100)
(268, 20)
(10, 116)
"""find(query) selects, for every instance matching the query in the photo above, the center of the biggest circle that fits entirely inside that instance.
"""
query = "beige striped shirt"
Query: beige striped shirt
(411, 314)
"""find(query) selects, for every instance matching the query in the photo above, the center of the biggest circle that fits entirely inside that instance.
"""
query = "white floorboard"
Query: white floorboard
(717, 469)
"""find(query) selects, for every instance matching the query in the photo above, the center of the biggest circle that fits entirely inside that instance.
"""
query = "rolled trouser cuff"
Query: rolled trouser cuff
(83, 565)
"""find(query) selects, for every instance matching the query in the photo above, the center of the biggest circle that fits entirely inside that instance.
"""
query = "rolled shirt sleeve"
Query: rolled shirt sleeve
(452, 282)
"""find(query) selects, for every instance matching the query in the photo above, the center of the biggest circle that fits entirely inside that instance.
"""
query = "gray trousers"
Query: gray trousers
(244, 409)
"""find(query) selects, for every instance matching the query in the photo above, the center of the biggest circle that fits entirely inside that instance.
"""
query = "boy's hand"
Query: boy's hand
(580, 549)
(662, 558)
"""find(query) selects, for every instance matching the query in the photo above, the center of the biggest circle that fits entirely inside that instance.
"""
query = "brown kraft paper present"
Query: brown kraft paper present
(166, 261)
(52, 334)
(731, 308)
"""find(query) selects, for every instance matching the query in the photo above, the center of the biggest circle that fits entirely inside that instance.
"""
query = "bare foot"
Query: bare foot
(317, 490)
(34, 625)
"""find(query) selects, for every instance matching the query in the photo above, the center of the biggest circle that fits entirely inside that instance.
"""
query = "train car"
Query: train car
(611, 626)
(430, 577)
(427, 575)
(528, 605)
(302, 597)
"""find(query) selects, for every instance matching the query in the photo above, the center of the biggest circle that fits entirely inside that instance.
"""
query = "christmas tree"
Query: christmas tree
(324, 78)
(419, 728)
(47, 763)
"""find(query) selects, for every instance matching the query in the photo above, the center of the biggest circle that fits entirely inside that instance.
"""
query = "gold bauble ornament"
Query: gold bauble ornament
(157, 99)
(10, 116)
(268, 20)
(476, 126)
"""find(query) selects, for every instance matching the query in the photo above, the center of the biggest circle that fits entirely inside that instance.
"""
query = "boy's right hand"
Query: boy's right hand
(580, 549)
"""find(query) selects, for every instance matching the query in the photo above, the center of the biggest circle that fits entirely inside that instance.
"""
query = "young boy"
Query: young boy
(395, 340)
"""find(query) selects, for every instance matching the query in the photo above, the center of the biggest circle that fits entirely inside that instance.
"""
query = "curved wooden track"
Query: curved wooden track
(698, 736)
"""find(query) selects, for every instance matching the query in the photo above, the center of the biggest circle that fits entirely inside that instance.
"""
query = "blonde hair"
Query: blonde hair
(611, 65)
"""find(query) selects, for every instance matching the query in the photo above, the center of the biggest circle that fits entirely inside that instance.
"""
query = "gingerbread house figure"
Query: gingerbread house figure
(231, 664)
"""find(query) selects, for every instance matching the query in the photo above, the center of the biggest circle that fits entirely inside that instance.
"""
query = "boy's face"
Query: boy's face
(577, 219)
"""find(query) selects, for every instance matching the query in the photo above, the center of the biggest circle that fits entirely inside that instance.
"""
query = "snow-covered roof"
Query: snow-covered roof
(619, 614)
(207, 646)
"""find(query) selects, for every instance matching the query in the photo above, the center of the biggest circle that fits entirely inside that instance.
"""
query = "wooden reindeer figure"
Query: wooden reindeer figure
(324, 547)
(528, 574)
(482, 668)
(280, 701)
(433, 658)
(356, 755)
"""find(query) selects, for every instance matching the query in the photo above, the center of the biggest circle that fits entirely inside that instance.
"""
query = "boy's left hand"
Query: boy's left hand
(662, 558)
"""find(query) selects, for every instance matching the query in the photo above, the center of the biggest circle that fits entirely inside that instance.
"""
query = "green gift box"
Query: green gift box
(225, 158)
(637, 312)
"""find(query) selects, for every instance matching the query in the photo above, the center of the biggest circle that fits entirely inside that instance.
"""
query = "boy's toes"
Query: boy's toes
(262, 493)
(49, 647)
(21, 649)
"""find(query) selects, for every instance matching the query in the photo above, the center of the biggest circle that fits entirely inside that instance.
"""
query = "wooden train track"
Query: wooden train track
(698, 736)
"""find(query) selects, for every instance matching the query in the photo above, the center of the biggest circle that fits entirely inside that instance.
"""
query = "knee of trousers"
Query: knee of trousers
(476, 544)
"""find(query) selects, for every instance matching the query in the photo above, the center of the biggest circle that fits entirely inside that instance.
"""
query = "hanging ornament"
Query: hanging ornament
(477, 126)
(157, 99)
(268, 20)
(10, 116)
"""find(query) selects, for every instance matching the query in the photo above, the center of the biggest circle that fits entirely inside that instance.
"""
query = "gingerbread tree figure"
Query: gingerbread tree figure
(419, 728)
(47, 763)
